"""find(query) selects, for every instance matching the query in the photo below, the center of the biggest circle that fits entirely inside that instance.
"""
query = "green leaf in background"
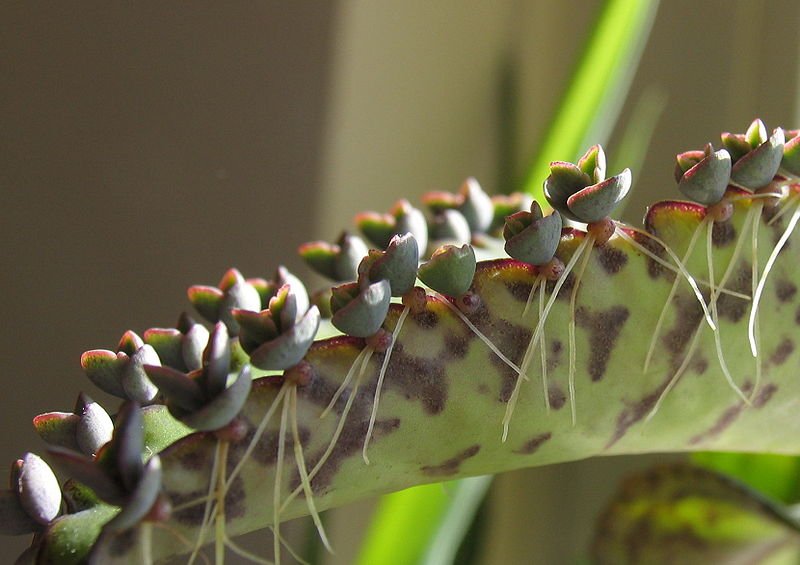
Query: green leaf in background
(685, 514)
(422, 524)
(776, 476)
(589, 108)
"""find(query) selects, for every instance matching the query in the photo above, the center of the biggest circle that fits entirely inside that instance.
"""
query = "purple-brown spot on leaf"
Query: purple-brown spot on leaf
(451, 466)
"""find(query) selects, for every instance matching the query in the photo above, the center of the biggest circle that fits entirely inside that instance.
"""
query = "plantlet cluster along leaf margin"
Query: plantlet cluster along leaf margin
(424, 382)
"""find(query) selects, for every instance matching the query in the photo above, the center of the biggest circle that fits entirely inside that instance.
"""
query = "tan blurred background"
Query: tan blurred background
(150, 146)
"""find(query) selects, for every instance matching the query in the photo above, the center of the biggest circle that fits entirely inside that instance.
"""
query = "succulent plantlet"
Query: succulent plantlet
(33, 499)
(202, 400)
(581, 193)
(398, 265)
(402, 218)
(122, 373)
(118, 476)
(277, 339)
(181, 347)
(776, 156)
(86, 429)
(215, 303)
(506, 205)
(338, 261)
(449, 226)
(533, 239)
(449, 272)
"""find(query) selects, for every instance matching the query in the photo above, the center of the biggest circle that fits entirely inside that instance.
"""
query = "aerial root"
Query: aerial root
(587, 252)
(292, 552)
(714, 311)
(276, 489)
(751, 324)
(538, 333)
(674, 380)
(146, 542)
(754, 286)
(543, 348)
(305, 482)
(219, 540)
(678, 263)
(530, 296)
(210, 498)
(381, 376)
(241, 552)
(480, 334)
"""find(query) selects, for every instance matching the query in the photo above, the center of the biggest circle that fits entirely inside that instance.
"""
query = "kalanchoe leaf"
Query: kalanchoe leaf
(532, 238)
(104, 367)
(688, 159)
(438, 201)
(593, 163)
(284, 277)
(504, 206)
(791, 152)
(38, 489)
(233, 292)
(181, 347)
(181, 391)
(126, 444)
(78, 496)
(84, 470)
(338, 262)
(756, 159)
(216, 361)
(358, 310)
(322, 300)
(398, 264)
(476, 206)
(133, 377)
(58, 428)
(14, 520)
(290, 346)
(597, 201)
(450, 270)
(94, 428)
(141, 498)
(410, 220)
(378, 228)
(224, 407)
(706, 180)
(130, 342)
(565, 180)
(450, 225)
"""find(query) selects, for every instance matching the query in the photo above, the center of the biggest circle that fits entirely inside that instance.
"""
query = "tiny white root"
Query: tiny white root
(572, 344)
(751, 324)
(537, 335)
(676, 377)
(276, 489)
(673, 290)
(346, 382)
(241, 552)
(754, 283)
(379, 386)
(219, 515)
(256, 437)
(210, 498)
(146, 541)
(543, 348)
(305, 482)
(681, 267)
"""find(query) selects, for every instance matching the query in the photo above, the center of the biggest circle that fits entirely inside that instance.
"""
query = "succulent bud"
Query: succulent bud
(450, 226)
(360, 310)
(756, 157)
(215, 303)
(531, 237)
(450, 270)
(504, 206)
(122, 373)
(86, 429)
(402, 218)
(581, 196)
(791, 152)
(703, 176)
(180, 347)
(338, 261)
(398, 264)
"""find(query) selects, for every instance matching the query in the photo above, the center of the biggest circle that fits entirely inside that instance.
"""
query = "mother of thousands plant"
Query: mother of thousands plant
(410, 369)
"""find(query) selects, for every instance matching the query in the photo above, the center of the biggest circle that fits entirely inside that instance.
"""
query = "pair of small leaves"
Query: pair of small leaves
(33, 499)
(338, 261)
(117, 475)
(402, 218)
(581, 192)
(122, 373)
(201, 398)
(531, 237)
(359, 308)
(450, 270)
(86, 429)
(756, 156)
(234, 292)
(703, 176)
(277, 338)
(471, 202)
(180, 347)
